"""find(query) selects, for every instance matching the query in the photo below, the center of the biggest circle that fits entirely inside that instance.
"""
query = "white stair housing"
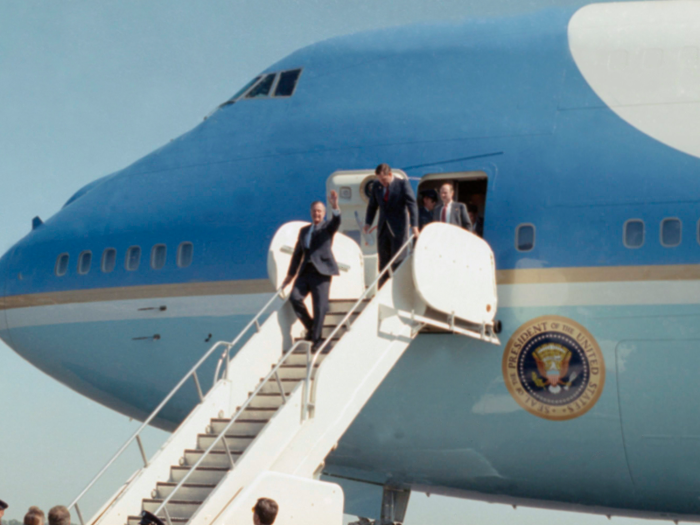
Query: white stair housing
(267, 425)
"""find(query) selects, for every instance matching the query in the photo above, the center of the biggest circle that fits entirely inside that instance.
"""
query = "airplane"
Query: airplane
(573, 130)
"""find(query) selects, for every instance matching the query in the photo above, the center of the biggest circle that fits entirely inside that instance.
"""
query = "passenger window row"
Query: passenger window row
(670, 233)
(131, 262)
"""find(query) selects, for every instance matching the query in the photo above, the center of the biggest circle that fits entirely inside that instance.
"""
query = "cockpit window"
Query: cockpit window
(287, 83)
(241, 91)
(262, 89)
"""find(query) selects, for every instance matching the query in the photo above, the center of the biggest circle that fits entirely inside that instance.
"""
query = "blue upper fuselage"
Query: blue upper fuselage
(498, 95)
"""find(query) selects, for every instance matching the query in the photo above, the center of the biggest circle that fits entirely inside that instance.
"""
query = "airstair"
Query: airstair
(276, 409)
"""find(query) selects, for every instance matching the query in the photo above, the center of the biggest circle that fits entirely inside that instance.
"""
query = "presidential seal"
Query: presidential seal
(554, 368)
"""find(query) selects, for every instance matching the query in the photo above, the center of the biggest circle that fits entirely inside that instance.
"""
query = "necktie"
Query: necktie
(444, 214)
(308, 238)
(386, 194)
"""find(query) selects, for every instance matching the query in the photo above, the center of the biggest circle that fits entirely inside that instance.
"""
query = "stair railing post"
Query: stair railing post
(80, 514)
(279, 385)
(167, 515)
(143, 452)
(228, 450)
(199, 387)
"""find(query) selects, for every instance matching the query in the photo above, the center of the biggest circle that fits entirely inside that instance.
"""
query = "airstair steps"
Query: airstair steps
(235, 443)
(241, 426)
(136, 520)
(202, 475)
(188, 492)
(216, 458)
(267, 400)
(176, 508)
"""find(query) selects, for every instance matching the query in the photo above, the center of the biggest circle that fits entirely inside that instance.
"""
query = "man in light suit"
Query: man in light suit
(450, 211)
(314, 262)
(394, 199)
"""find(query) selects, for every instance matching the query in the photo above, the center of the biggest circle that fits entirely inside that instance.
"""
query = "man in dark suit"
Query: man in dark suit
(395, 200)
(429, 200)
(313, 260)
(450, 211)
(477, 222)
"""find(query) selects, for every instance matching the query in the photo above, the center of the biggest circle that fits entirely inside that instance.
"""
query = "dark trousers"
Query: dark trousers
(310, 281)
(387, 246)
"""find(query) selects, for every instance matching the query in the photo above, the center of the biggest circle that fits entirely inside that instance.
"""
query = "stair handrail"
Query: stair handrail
(234, 418)
(346, 321)
(136, 436)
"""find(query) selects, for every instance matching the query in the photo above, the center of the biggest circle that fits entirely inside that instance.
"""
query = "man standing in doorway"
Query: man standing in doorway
(450, 211)
(395, 200)
(428, 199)
(313, 260)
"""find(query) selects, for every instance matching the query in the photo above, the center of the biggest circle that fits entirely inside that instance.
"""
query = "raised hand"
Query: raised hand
(333, 199)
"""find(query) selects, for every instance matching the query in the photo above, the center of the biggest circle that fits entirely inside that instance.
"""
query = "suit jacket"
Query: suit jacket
(392, 214)
(458, 215)
(424, 217)
(319, 252)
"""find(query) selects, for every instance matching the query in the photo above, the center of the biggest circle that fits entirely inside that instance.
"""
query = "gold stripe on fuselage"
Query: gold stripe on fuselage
(157, 291)
(258, 286)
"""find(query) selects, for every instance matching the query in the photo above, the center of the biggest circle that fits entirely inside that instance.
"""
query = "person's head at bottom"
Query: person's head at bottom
(265, 511)
(59, 515)
(3, 506)
(34, 516)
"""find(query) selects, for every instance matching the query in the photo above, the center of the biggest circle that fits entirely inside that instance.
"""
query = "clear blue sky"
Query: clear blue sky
(86, 88)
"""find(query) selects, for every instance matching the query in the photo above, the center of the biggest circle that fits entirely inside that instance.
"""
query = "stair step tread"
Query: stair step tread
(270, 394)
(237, 436)
(186, 485)
(202, 450)
(173, 519)
(173, 501)
(226, 420)
(205, 469)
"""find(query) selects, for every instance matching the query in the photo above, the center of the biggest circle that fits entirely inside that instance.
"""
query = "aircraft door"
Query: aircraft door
(353, 189)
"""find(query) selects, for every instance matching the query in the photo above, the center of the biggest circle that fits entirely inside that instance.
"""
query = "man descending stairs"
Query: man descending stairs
(280, 409)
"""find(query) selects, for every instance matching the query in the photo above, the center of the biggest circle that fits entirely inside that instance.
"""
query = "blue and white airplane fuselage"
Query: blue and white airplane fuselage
(584, 125)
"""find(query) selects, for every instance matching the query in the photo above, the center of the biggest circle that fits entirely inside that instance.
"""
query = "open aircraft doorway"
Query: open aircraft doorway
(470, 189)
(353, 189)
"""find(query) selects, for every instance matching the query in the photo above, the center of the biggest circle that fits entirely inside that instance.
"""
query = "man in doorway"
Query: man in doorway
(395, 200)
(477, 226)
(449, 211)
(314, 262)
(429, 200)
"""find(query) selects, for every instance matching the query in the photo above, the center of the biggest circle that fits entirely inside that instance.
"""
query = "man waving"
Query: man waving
(314, 262)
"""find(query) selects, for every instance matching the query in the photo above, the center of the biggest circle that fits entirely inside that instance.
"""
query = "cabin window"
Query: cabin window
(287, 83)
(62, 264)
(525, 237)
(84, 262)
(109, 260)
(184, 254)
(671, 232)
(158, 256)
(262, 89)
(133, 258)
(633, 236)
